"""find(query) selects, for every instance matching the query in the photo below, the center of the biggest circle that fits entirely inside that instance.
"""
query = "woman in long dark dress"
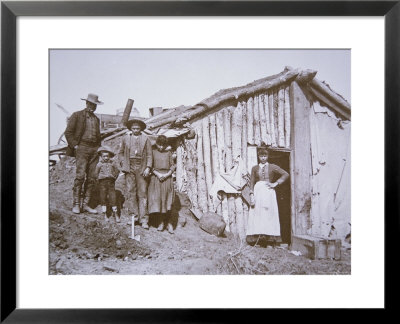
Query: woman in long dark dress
(161, 188)
(263, 223)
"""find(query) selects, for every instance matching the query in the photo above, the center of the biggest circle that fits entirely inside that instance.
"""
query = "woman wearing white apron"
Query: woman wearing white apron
(263, 225)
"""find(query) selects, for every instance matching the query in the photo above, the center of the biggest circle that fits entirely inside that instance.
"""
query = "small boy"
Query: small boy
(107, 172)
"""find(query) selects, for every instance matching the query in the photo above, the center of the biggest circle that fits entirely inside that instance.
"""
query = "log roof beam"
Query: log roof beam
(324, 94)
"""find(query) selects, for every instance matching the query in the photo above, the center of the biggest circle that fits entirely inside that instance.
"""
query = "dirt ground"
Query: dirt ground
(86, 244)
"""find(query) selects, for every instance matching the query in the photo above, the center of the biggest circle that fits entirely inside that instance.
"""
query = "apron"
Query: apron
(264, 217)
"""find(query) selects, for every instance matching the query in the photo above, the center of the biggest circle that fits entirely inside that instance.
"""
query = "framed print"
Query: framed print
(188, 103)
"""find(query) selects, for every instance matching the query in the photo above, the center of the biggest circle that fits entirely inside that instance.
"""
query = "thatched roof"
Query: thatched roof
(305, 78)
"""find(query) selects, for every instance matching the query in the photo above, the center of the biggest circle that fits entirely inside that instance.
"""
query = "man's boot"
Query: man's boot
(86, 206)
(86, 200)
(76, 196)
(143, 217)
(104, 212)
(115, 214)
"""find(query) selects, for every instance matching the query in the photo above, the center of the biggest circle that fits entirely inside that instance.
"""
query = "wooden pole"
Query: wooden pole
(219, 159)
(239, 218)
(179, 167)
(237, 130)
(228, 138)
(316, 213)
(263, 121)
(207, 159)
(302, 170)
(201, 177)
(245, 216)
(244, 133)
(191, 167)
(281, 117)
(267, 121)
(214, 159)
(250, 120)
(276, 117)
(127, 111)
(220, 141)
(214, 147)
(186, 165)
(237, 125)
(232, 214)
(256, 121)
(331, 96)
(287, 118)
(225, 212)
(184, 171)
(293, 217)
(109, 138)
(252, 158)
(272, 117)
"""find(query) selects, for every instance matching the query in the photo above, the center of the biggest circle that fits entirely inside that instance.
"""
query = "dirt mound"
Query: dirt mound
(258, 260)
(90, 238)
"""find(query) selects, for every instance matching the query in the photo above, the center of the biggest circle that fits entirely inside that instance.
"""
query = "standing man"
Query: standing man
(136, 160)
(83, 137)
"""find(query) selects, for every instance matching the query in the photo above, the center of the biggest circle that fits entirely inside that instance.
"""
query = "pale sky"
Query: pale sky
(170, 78)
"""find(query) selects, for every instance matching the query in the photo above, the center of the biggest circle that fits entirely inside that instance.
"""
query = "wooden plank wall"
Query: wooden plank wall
(222, 137)
(301, 161)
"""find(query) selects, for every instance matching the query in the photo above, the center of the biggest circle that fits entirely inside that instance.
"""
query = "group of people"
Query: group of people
(148, 176)
(147, 169)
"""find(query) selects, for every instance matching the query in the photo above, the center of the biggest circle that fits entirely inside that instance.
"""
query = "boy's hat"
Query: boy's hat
(105, 148)
(136, 121)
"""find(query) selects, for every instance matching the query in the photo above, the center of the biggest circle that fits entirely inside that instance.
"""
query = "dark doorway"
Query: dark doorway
(282, 159)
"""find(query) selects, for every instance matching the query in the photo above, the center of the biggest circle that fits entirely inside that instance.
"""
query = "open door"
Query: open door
(283, 194)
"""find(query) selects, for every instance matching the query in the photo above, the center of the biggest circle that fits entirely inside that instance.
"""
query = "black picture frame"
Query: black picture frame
(11, 10)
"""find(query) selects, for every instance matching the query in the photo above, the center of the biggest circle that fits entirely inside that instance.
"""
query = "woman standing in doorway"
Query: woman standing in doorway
(263, 225)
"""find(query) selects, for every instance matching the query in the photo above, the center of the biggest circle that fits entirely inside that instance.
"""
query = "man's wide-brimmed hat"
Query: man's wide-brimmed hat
(105, 148)
(136, 121)
(93, 98)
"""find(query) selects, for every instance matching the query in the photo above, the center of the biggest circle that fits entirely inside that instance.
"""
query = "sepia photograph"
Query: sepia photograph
(196, 159)
(199, 161)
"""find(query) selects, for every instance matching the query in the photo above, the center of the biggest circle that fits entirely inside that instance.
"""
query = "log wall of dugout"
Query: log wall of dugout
(225, 134)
